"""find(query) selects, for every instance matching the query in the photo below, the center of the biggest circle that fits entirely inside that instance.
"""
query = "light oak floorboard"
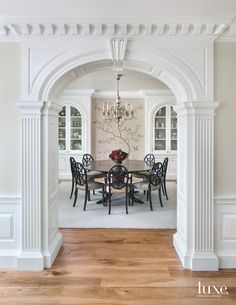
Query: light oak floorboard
(115, 267)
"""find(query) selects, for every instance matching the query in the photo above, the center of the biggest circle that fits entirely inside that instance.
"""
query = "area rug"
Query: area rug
(96, 215)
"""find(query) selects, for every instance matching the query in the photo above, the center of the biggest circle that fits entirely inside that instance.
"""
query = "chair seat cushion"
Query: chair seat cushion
(92, 185)
(95, 174)
(143, 175)
(143, 185)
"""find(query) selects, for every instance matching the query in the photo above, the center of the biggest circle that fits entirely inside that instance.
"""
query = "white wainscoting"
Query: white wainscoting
(10, 229)
(225, 231)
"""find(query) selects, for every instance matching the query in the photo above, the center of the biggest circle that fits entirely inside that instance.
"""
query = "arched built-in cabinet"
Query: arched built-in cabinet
(70, 128)
(161, 129)
(74, 129)
(165, 130)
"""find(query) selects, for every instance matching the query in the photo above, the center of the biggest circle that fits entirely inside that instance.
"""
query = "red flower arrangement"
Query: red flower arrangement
(118, 155)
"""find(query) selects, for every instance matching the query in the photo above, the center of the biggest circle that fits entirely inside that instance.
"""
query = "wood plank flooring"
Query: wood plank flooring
(114, 267)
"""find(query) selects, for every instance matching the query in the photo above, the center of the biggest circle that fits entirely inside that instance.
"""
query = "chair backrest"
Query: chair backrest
(165, 165)
(118, 177)
(79, 174)
(156, 174)
(72, 164)
(87, 159)
(149, 159)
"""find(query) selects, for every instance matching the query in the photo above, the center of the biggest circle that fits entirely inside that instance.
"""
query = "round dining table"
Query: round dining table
(132, 166)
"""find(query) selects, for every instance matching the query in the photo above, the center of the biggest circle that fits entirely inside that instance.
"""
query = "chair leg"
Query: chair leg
(76, 194)
(126, 201)
(89, 199)
(165, 188)
(103, 196)
(93, 192)
(109, 200)
(72, 187)
(150, 199)
(147, 195)
(159, 192)
(85, 199)
(109, 212)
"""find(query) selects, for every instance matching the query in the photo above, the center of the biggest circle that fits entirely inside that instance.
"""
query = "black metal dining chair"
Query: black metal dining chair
(87, 159)
(118, 178)
(149, 159)
(82, 183)
(154, 183)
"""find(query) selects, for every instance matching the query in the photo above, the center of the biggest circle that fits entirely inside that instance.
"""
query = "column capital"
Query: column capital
(199, 108)
(30, 108)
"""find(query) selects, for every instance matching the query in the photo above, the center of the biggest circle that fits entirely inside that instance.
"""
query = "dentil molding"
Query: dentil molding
(24, 28)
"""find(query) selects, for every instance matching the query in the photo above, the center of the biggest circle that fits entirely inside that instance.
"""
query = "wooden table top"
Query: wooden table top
(131, 165)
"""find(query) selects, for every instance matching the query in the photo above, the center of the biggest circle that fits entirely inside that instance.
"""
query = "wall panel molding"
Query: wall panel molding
(225, 230)
(10, 199)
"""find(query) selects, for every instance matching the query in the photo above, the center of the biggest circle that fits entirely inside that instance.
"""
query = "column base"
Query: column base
(30, 261)
(205, 261)
(199, 261)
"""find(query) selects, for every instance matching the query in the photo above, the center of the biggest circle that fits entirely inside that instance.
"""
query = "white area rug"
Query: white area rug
(96, 215)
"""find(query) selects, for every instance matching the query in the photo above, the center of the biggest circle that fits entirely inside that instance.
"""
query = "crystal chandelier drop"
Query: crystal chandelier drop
(117, 111)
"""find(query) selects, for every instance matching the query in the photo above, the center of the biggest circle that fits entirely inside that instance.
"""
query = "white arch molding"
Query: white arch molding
(193, 240)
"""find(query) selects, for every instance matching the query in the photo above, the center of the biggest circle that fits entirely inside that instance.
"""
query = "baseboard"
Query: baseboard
(181, 251)
(54, 248)
(8, 258)
(227, 259)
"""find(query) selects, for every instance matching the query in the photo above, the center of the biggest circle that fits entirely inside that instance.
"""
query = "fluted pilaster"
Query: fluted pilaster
(31, 256)
(194, 240)
(203, 255)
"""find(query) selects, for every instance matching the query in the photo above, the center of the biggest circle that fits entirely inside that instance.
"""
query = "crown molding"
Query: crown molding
(229, 35)
(33, 28)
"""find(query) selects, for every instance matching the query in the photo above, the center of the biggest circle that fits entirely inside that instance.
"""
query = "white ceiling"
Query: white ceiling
(118, 10)
(105, 80)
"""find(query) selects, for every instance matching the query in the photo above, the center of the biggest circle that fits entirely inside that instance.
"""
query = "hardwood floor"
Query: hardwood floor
(115, 266)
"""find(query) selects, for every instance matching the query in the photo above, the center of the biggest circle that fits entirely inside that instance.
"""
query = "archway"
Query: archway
(194, 238)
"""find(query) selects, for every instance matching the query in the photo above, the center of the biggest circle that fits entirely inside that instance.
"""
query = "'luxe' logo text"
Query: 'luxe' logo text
(211, 290)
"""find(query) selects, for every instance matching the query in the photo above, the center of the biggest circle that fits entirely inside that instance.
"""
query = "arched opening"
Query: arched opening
(187, 89)
(178, 89)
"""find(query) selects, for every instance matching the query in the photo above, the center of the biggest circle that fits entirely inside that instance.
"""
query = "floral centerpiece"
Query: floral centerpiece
(118, 156)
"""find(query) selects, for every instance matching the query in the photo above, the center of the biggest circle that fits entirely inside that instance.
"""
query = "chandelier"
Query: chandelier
(117, 111)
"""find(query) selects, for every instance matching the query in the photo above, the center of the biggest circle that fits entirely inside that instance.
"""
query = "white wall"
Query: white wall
(225, 120)
(225, 154)
(10, 155)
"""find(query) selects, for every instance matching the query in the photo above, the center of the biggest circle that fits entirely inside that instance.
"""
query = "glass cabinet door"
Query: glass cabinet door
(160, 129)
(70, 128)
(165, 129)
(75, 129)
(62, 129)
(173, 117)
